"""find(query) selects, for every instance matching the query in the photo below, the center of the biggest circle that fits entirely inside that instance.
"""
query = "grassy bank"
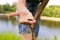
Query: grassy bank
(12, 36)
(50, 18)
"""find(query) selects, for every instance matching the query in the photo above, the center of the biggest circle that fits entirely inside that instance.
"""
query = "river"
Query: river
(48, 29)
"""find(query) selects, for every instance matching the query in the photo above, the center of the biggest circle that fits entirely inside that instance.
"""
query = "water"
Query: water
(7, 25)
(48, 29)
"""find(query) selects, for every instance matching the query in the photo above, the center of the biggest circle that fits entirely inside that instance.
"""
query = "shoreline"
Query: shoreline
(43, 18)
(50, 18)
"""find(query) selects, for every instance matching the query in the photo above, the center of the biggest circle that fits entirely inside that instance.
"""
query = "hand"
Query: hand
(25, 17)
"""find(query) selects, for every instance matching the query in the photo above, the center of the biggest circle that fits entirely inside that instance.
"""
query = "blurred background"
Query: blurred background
(49, 24)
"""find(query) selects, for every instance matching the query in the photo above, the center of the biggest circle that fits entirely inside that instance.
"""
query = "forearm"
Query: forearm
(20, 8)
(21, 5)
(40, 9)
(12, 14)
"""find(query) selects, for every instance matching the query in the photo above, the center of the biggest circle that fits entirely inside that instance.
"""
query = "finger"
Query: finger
(23, 21)
(31, 21)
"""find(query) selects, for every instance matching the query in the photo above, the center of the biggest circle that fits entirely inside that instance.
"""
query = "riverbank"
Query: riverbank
(44, 18)
(50, 18)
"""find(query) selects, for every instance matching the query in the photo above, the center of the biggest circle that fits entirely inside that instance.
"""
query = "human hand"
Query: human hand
(25, 17)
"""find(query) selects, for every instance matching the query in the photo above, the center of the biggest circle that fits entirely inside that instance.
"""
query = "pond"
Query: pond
(48, 29)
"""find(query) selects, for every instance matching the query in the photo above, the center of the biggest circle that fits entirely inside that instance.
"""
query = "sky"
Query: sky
(51, 2)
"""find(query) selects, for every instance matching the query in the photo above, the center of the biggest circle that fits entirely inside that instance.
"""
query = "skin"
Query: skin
(23, 14)
(38, 14)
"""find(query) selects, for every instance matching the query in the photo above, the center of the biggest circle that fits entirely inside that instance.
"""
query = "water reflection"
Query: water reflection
(48, 29)
(50, 24)
(7, 24)
(12, 19)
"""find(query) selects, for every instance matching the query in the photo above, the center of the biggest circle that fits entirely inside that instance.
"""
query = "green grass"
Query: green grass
(9, 36)
(55, 38)
(12, 36)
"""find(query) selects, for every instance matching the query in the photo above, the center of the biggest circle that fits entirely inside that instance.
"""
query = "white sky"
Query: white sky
(51, 2)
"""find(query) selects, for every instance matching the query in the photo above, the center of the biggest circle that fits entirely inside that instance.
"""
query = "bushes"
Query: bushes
(51, 11)
(7, 8)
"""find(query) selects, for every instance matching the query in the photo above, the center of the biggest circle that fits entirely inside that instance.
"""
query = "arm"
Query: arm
(20, 8)
(21, 5)
(39, 11)
(23, 13)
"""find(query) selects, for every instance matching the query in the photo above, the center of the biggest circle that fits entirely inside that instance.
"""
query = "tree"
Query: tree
(6, 7)
(13, 7)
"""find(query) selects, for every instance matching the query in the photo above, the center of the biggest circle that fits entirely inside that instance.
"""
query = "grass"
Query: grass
(9, 36)
(54, 38)
(12, 36)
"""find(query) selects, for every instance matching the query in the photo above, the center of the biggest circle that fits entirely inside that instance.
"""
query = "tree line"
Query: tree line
(7, 8)
(51, 11)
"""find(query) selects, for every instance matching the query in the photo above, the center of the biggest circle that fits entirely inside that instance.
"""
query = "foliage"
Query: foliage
(51, 11)
(7, 8)
(13, 7)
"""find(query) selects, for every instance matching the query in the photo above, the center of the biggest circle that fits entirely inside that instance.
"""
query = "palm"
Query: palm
(25, 17)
